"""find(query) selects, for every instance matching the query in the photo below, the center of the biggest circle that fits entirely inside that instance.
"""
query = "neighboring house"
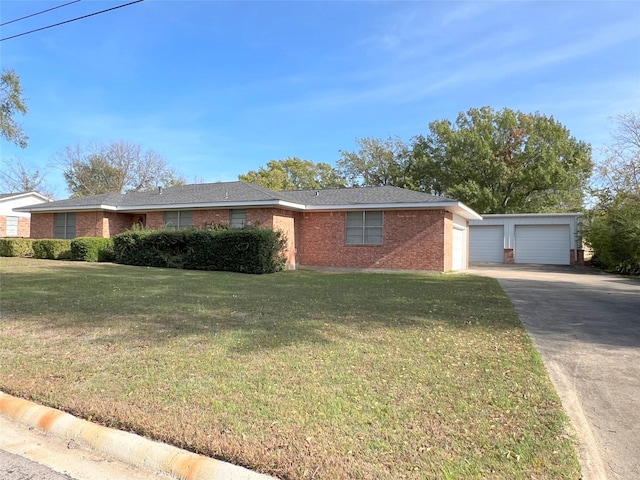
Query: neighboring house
(546, 238)
(17, 223)
(375, 227)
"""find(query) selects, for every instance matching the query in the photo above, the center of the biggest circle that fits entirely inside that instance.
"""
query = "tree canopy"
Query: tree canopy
(503, 162)
(11, 103)
(117, 167)
(378, 162)
(293, 173)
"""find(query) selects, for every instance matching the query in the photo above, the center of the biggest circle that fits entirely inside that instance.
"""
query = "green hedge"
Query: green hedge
(16, 247)
(52, 249)
(92, 249)
(248, 250)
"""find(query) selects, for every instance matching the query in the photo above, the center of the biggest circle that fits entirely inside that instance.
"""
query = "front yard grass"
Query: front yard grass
(297, 374)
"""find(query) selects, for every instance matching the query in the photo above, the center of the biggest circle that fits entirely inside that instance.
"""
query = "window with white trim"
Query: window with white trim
(12, 227)
(364, 228)
(64, 225)
(178, 219)
(238, 218)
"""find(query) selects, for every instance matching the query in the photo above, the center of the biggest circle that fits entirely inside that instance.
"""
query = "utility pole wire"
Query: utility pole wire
(69, 21)
(38, 13)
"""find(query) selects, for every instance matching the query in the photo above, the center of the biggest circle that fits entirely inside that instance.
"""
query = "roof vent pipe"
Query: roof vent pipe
(159, 190)
(317, 193)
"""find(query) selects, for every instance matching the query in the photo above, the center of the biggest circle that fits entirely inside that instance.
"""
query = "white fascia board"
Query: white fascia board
(466, 212)
(26, 194)
(454, 207)
(201, 206)
(43, 208)
(512, 215)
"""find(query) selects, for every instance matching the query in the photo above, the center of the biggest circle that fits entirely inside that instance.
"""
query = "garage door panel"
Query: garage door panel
(546, 244)
(486, 243)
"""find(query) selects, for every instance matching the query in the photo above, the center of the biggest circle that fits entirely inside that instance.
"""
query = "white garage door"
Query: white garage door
(486, 243)
(458, 254)
(549, 244)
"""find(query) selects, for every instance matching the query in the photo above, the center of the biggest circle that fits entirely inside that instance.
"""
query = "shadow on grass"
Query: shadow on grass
(265, 311)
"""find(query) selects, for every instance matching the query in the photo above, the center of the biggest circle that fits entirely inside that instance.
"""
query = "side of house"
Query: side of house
(378, 227)
(16, 223)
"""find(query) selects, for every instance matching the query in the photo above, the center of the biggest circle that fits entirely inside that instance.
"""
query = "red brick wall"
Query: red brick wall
(42, 225)
(203, 218)
(24, 226)
(508, 255)
(114, 223)
(89, 224)
(286, 221)
(278, 219)
(412, 240)
(155, 220)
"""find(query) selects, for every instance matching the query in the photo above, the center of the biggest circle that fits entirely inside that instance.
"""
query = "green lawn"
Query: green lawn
(296, 374)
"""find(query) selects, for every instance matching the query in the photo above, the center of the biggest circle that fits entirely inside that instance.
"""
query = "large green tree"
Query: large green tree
(118, 167)
(503, 162)
(11, 103)
(378, 162)
(295, 174)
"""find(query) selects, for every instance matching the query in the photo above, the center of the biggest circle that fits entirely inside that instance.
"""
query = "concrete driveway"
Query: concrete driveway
(586, 326)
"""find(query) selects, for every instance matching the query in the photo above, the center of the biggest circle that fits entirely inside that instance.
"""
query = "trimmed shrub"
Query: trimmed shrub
(127, 246)
(52, 249)
(151, 248)
(248, 250)
(92, 249)
(16, 247)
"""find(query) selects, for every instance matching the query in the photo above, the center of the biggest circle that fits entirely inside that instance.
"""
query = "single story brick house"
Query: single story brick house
(371, 227)
(15, 223)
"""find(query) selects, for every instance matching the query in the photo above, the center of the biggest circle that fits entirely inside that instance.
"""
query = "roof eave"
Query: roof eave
(562, 214)
(453, 206)
(26, 194)
(43, 208)
(211, 205)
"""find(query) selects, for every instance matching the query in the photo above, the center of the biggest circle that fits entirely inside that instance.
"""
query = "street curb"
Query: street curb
(127, 447)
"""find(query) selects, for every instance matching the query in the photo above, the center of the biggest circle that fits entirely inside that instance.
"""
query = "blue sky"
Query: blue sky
(220, 88)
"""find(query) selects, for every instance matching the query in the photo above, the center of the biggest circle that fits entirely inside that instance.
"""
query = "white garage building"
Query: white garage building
(546, 238)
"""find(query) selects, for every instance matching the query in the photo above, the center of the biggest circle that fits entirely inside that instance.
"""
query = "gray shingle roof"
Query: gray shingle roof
(205, 193)
(362, 195)
(235, 194)
(7, 195)
(202, 193)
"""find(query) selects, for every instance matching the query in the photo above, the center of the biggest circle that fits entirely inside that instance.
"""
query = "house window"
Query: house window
(178, 219)
(364, 228)
(238, 218)
(12, 226)
(64, 225)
